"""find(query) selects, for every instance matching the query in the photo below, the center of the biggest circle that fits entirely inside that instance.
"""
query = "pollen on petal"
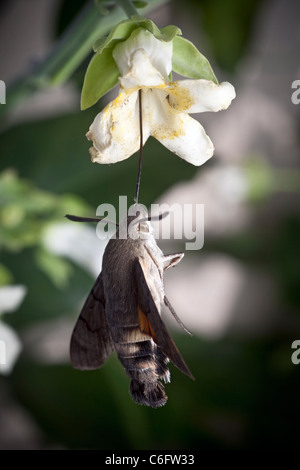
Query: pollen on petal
(162, 132)
(179, 98)
(197, 96)
(115, 131)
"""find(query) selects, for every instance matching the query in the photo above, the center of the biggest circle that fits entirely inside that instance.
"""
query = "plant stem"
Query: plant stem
(128, 8)
(138, 181)
(74, 46)
(66, 56)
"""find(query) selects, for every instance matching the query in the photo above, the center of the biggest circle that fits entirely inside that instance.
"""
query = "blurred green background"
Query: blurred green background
(246, 392)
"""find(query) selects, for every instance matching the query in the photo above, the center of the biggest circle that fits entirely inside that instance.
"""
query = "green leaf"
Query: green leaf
(57, 269)
(6, 276)
(139, 4)
(189, 62)
(101, 76)
(101, 7)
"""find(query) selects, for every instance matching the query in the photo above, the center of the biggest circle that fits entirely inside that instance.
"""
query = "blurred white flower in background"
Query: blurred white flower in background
(10, 344)
(77, 242)
(48, 341)
(223, 190)
(265, 127)
(217, 295)
(211, 287)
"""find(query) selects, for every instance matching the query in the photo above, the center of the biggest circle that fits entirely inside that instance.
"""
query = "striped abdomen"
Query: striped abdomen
(143, 362)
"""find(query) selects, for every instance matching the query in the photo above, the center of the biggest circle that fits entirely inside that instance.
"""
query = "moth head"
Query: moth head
(144, 227)
(139, 225)
(138, 222)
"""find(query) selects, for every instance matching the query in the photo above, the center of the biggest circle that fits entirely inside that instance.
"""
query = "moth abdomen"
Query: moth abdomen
(148, 393)
(143, 362)
(146, 371)
(146, 365)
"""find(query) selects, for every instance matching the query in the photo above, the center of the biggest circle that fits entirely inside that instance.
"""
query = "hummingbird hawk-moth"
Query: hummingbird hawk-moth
(123, 313)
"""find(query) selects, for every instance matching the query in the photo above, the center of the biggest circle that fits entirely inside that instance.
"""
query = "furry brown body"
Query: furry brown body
(122, 313)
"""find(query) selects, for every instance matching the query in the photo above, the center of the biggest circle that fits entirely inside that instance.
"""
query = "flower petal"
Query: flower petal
(180, 133)
(10, 348)
(142, 73)
(159, 52)
(11, 297)
(77, 242)
(197, 96)
(115, 131)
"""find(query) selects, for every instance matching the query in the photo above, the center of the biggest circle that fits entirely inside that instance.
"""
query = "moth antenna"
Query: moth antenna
(148, 219)
(76, 218)
(167, 303)
(157, 217)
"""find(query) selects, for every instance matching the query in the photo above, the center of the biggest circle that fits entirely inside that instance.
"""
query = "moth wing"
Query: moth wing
(91, 341)
(161, 335)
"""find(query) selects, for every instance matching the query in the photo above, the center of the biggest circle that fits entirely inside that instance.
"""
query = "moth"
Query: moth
(123, 313)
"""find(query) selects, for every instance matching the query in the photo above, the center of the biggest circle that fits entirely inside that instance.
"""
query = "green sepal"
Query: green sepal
(189, 62)
(168, 33)
(101, 76)
(123, 30)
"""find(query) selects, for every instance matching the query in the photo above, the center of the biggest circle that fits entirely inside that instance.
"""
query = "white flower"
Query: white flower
(76, 242)
(10, 345)
(145, 64)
